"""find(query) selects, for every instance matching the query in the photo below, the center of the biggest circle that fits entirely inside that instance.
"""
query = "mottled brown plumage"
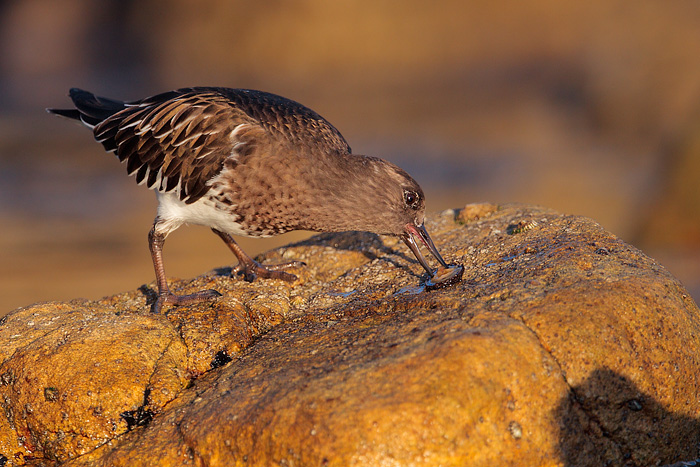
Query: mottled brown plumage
(246, 162)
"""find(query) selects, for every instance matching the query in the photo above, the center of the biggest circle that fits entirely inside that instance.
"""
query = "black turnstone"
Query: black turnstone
(250, 163)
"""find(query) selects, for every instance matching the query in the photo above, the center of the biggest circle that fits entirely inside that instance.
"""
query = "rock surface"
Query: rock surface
(562, 346)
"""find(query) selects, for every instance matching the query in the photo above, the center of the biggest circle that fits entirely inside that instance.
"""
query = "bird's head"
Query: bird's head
(377, 196)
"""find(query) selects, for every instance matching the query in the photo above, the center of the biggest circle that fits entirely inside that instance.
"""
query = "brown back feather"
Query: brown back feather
(180, 140)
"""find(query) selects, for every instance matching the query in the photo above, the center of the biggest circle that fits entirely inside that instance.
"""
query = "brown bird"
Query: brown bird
(250, 163)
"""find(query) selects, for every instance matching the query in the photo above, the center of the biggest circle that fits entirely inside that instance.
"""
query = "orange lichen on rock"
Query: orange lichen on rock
(562, 345)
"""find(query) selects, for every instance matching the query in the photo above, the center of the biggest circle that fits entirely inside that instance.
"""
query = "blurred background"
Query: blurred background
(591, 108)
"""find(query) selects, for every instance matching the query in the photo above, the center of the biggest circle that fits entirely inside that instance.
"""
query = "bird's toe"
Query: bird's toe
(272, 271)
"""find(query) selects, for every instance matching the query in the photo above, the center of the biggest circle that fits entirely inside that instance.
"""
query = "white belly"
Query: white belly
(172, 213)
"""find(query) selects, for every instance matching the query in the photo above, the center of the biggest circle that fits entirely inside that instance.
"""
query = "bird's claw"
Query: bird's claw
(250, 271)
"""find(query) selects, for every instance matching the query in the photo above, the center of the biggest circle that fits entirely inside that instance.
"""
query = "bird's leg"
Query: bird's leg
(251, 268)
(165, 296)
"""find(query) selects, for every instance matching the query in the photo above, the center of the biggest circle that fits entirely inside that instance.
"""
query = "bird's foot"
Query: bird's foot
(169, 298)
(252, 269)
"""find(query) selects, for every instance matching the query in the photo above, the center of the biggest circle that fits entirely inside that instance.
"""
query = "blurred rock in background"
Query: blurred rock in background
(588, 108)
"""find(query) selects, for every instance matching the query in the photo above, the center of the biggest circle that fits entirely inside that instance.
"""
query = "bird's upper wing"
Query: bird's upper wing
(178, 141)
(173, 141)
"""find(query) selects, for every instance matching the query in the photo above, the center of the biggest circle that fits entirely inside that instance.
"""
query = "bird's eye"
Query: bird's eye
(411, 198)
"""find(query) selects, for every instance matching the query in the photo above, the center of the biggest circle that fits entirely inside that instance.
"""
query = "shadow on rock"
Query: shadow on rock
(609, 421)
(371, 245)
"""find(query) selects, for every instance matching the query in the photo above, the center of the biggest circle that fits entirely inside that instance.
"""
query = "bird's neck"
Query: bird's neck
(347, 195)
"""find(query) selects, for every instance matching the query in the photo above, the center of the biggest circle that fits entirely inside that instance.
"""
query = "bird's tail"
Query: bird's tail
(89, 108)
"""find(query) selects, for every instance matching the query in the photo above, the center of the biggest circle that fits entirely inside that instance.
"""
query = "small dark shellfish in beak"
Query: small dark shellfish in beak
(445, 275)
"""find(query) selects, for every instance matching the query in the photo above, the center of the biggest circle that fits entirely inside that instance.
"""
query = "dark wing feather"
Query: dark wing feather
(90, 109)
(179, 140)
(175, 141)
(288, 120)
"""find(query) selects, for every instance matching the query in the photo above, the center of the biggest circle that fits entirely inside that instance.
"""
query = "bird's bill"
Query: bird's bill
(409, 237)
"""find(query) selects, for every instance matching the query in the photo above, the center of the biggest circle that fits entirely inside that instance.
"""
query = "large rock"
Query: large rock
(562, 346)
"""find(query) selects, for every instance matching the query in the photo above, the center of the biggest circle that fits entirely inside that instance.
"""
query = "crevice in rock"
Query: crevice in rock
(190, 450)
(220, 359)
(141, 416)
(575, 399)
